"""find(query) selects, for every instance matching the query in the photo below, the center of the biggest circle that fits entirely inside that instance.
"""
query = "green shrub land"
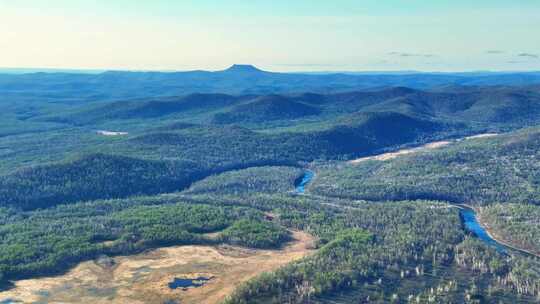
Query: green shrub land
(516, 223)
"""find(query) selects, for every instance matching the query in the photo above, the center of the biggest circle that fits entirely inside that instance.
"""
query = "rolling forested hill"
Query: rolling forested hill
(212, 158)
(177, 141)
(479, 106)
(479, 171)
(266, 108)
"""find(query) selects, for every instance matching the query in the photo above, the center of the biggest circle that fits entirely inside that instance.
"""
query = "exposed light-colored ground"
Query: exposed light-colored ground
(111, 133)
(391, 155)
(482, 135)
(144, 278)
(430, 146)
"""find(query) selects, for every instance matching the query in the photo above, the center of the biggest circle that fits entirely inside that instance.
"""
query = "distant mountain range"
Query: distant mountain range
(238, 80)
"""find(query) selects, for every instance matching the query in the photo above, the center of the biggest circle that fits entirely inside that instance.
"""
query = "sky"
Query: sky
(278, 35)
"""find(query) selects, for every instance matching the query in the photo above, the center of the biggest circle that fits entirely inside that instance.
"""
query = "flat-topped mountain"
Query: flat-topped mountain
(243, 68)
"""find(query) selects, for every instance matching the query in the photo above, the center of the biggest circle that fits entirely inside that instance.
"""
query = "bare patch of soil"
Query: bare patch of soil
(391, 155)
(485, 135)
(144, 278)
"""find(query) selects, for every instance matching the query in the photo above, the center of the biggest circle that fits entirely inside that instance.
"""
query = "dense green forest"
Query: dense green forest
(378, 250)
(344, 125)
(249, 181)
(255, 234)
(388, 222)
(221, 169)
(476, 171)
(92, 177)
(49, 241)
(517, 223)
(170, 161)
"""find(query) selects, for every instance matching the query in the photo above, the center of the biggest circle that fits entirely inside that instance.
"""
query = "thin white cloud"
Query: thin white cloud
(529, 55)
(403, 54)
(310, 64)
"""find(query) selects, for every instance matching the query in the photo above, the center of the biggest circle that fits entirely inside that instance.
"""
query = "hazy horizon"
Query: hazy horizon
(344, 35)
(28, 70)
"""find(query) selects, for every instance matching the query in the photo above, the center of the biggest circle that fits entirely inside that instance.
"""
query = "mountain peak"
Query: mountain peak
(243, 68)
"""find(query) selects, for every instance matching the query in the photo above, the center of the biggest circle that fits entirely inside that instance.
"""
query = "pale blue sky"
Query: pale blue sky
(278, 35)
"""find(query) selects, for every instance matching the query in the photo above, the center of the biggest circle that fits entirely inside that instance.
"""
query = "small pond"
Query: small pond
(185, 283)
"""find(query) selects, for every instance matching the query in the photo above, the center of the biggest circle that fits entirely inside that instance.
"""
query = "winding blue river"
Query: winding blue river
(471, 224)
(467, 214)
(301, 186)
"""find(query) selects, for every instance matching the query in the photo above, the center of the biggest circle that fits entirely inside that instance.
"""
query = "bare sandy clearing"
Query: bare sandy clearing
(144, 278)
(429, 146)
(482, 135)
(111, 133)
(391, 155)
